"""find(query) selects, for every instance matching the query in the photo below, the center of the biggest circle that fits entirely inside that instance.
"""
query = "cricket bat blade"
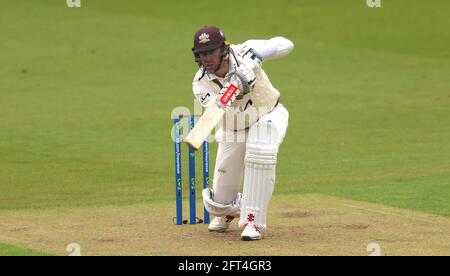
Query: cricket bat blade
(210, 118)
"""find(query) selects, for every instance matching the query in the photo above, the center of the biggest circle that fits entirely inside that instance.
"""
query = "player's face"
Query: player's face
(211, 59)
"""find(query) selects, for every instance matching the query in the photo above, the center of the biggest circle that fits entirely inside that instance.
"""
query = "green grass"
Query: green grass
(7, 250)
(86, 96)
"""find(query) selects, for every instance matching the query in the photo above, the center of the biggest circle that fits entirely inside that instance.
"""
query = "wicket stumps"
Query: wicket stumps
(192, 174)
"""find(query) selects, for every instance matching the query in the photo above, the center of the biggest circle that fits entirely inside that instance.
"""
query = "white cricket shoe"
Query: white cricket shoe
(251, 232)
(220, 224)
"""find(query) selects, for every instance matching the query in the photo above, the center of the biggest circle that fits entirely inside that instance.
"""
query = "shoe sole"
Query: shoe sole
(218, 230)
(247, 238)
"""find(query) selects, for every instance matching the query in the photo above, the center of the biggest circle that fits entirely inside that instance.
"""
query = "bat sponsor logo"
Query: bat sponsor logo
(228, 95)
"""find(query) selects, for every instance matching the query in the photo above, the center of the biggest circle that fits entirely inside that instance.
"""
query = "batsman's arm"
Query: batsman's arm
(273, 48)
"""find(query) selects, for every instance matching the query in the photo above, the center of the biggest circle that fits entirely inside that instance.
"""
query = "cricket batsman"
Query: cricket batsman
(252, 129)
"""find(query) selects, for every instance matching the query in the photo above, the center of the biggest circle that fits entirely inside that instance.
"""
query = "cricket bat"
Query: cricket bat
(211, 117)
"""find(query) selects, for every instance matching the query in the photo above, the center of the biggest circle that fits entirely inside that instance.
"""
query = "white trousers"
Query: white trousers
(229, 167)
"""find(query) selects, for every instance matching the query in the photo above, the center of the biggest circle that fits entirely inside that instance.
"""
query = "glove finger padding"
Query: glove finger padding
(252, 59)
(246, 75)
(243, 78)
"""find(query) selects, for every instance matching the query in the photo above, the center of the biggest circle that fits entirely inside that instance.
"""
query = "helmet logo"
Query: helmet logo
(204, 38)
